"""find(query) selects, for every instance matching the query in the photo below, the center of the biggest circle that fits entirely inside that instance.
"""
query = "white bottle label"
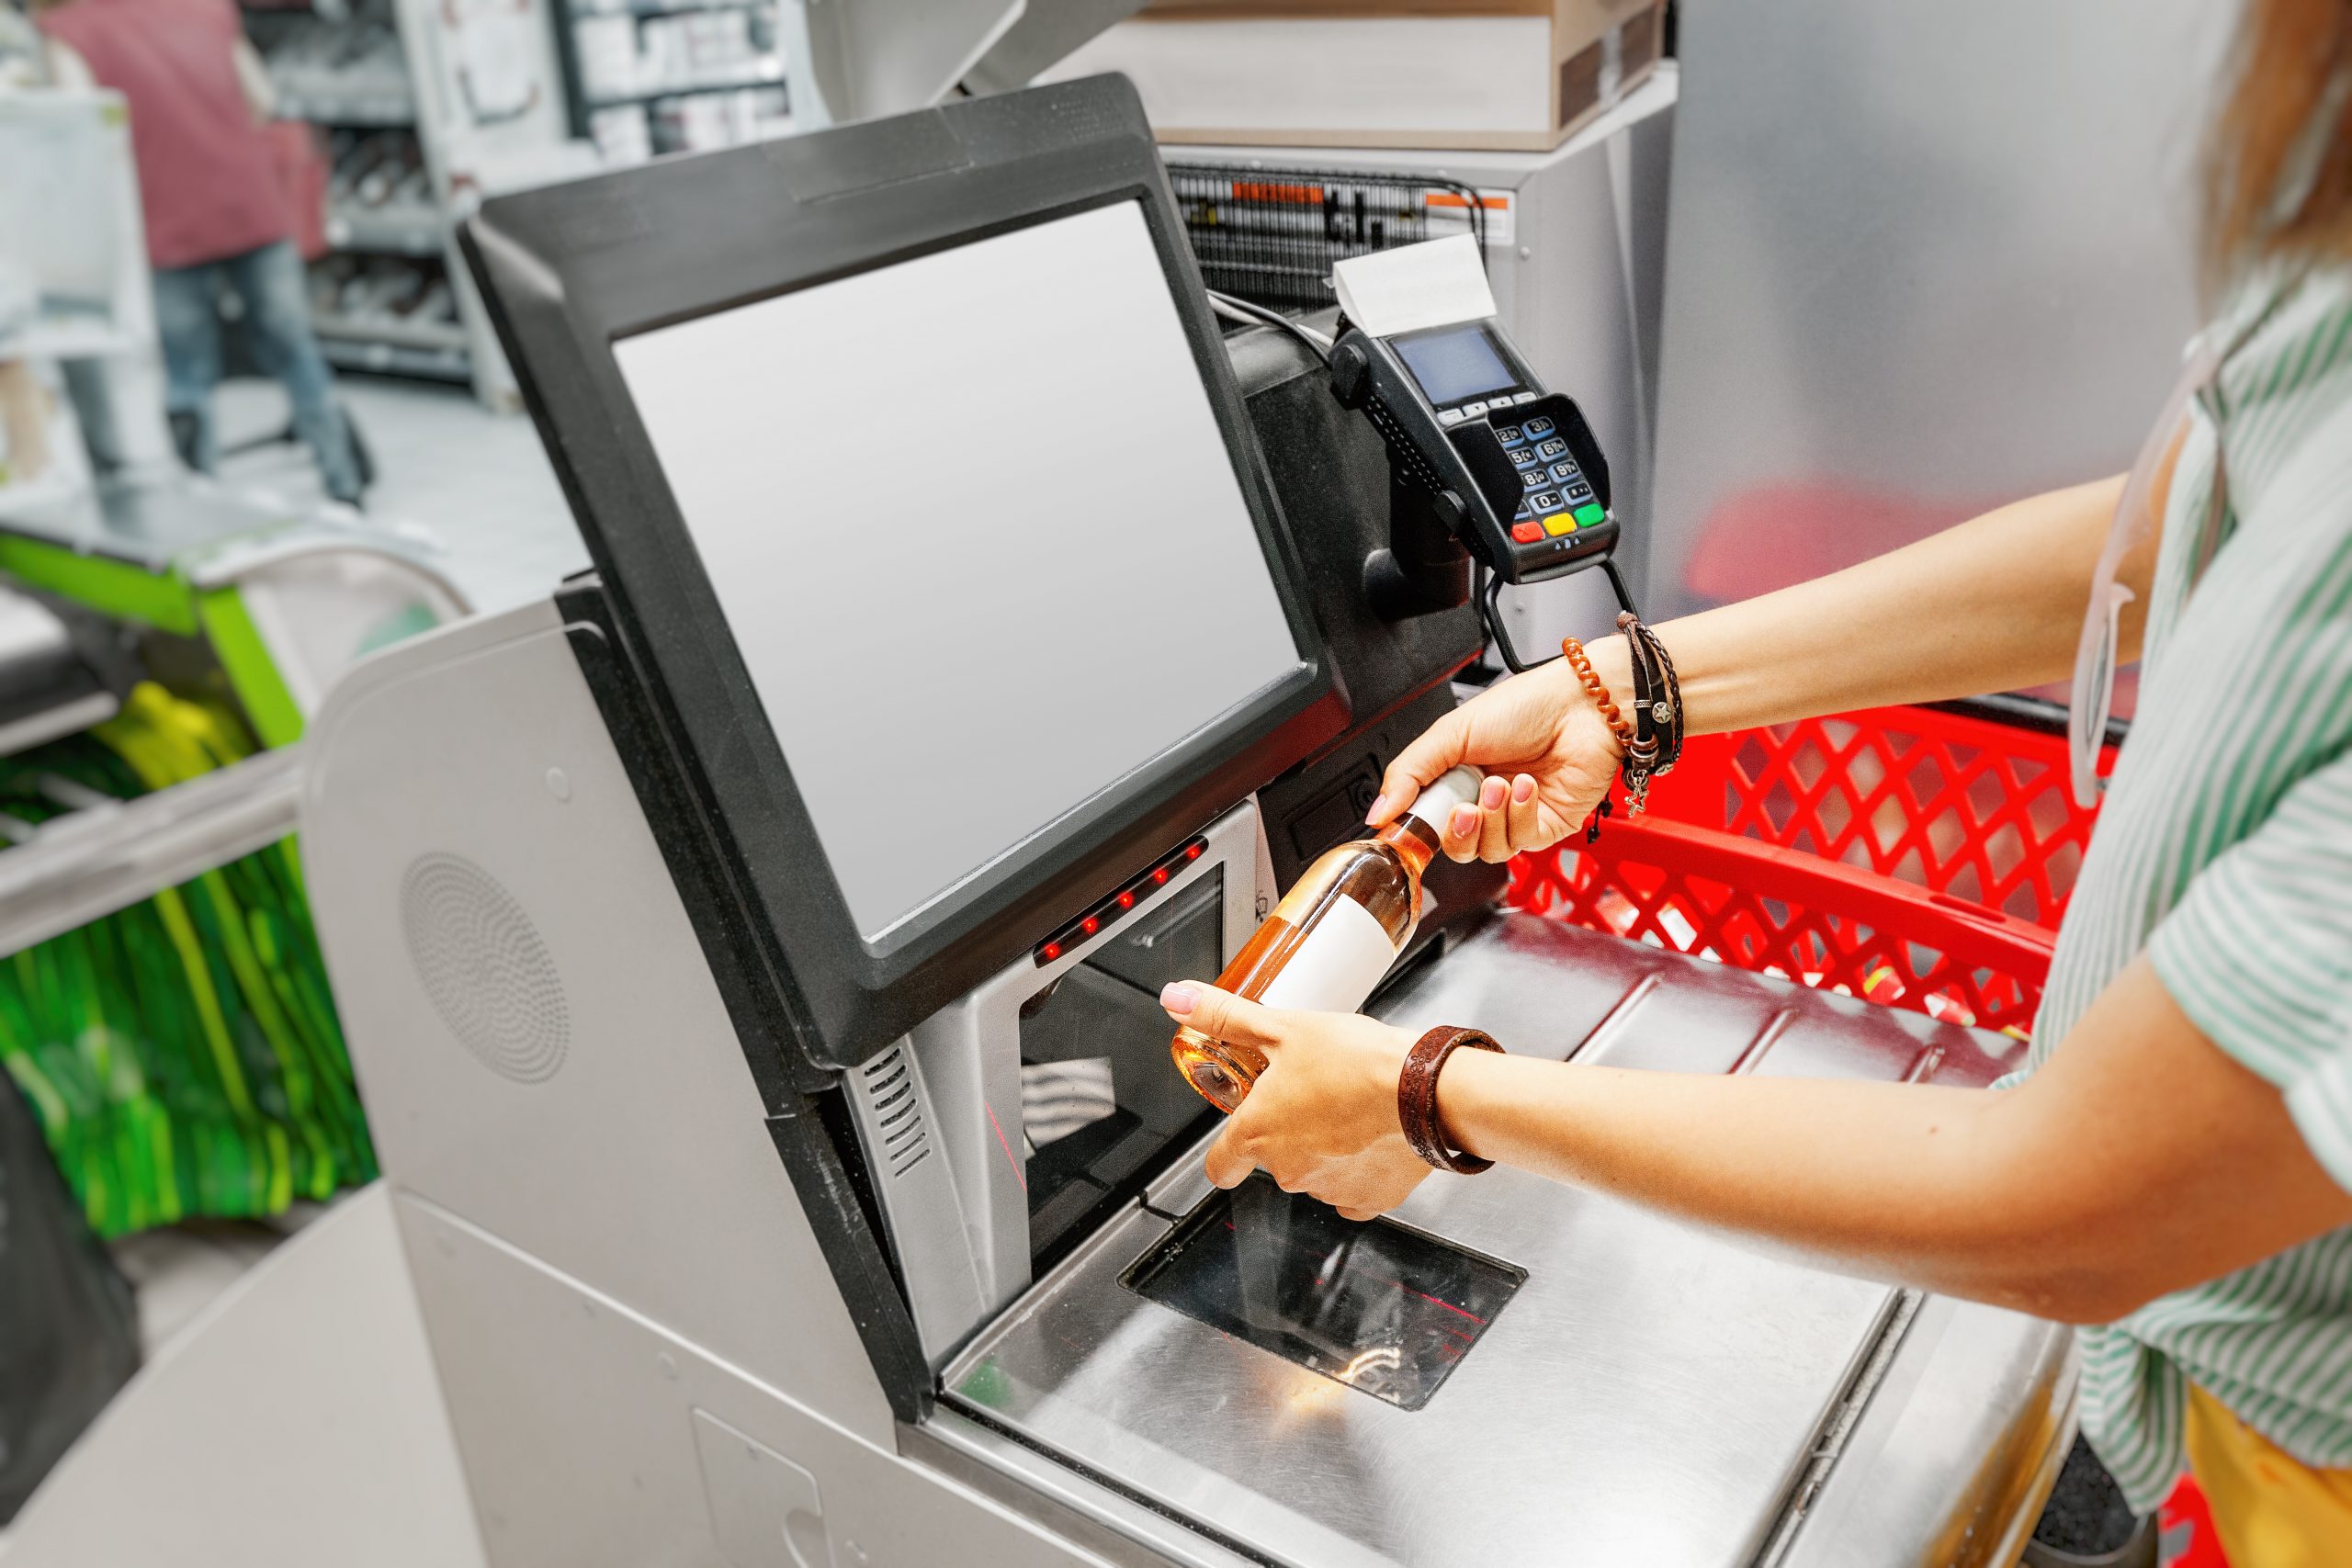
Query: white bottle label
(1336, 967)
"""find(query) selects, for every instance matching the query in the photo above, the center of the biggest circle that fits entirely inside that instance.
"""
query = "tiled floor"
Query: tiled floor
(472, 486)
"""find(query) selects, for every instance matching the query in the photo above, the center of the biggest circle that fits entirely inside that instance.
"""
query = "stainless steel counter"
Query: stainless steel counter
(1653, 1395)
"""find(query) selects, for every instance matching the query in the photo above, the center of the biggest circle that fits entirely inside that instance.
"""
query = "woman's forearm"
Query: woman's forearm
(1991, 605)
(1886, 1180)
(2084, 1192)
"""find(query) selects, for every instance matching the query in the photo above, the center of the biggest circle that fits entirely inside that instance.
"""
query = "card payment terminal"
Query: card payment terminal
(1512, 471)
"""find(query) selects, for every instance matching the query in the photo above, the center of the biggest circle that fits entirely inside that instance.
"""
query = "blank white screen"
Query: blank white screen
(975, 530)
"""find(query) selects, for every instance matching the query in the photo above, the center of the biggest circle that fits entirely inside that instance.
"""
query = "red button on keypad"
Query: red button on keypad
(1527, 533)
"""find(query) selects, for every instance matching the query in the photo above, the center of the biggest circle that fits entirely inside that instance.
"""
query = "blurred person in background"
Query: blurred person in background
(215, 212)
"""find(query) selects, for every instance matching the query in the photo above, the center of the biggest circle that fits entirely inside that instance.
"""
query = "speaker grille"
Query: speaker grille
(484, 968)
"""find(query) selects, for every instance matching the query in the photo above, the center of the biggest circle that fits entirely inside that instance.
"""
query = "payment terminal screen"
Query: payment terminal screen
(976, 532)
(1454, 362)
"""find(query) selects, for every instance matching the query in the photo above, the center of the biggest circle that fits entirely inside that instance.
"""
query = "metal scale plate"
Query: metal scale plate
(1650, 1396)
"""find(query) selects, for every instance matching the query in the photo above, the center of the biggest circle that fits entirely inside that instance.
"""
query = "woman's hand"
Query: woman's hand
(1546, 739)
(1322, 1118)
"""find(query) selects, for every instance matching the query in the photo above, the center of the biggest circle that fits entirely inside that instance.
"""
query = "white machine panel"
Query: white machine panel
(531, 1018)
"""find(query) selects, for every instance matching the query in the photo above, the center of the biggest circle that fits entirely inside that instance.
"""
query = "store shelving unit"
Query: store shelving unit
(420, 107)
(345, 70)
(403, 229)
(497, 95)
(372, 111)
(645, 78)
(395, 348)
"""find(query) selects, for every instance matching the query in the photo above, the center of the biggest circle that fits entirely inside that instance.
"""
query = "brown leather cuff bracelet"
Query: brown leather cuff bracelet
(1416, 1097)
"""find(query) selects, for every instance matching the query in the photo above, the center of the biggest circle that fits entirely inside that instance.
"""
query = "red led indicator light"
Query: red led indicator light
(1191, 852)
(1161, 875)
(1090, 925)
(1053, 950)
(1127, 900)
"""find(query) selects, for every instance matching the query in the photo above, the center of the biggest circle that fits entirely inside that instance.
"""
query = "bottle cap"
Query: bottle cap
(1455, 786)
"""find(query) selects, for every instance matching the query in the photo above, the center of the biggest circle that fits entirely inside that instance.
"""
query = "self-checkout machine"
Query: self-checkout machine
(749, 954)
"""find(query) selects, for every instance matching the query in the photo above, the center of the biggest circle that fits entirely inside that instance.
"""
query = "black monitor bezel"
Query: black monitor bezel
(566, 272)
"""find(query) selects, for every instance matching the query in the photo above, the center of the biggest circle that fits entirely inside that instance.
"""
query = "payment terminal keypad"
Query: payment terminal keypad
(1556, 499)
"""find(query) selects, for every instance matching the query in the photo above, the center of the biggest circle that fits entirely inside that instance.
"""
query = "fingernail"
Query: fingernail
(1463, 822)
(1522, 789)
(1179, 999)
(1490, 794)
(1379, 804)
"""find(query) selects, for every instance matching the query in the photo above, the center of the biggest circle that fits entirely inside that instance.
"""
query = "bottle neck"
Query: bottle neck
(1414, 840)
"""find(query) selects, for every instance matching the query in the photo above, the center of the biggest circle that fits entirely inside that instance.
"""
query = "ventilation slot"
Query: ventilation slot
(898, 1115)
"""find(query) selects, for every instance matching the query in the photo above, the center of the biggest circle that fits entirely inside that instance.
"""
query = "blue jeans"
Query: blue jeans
(278, 327)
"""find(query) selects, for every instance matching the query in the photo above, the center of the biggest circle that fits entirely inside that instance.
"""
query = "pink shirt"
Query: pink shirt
(206, 178)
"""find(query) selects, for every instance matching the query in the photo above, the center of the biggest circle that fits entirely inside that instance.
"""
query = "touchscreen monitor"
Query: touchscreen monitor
(973, 525)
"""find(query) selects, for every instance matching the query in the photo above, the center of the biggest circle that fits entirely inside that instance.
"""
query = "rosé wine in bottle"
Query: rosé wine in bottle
(1331, 938)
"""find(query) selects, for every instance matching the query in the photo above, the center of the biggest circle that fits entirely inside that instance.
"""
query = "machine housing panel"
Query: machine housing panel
(569, 270)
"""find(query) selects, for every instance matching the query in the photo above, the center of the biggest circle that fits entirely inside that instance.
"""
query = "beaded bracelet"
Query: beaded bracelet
(1573, 651)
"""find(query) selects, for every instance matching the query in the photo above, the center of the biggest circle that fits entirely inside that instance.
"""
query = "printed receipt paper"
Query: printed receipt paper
(1434, 284)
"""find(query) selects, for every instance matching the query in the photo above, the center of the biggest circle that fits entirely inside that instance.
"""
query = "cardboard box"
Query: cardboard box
(1515, 74)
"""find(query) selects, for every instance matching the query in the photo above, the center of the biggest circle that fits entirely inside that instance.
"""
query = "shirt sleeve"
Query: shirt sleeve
(2258, 954)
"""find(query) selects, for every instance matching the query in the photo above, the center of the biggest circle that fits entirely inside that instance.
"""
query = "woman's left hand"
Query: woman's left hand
(1322, 1118)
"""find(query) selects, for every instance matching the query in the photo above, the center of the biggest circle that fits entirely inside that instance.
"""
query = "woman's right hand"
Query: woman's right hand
(1548, 755)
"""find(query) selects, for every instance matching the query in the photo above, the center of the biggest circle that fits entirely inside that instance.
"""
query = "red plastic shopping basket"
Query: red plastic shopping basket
(1917, 857)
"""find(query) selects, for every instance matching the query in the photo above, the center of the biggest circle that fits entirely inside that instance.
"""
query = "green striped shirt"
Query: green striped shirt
(2225, 851)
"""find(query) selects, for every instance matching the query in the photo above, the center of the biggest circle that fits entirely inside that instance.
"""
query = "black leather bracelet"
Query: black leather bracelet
(1643, 757)
(1665, 699)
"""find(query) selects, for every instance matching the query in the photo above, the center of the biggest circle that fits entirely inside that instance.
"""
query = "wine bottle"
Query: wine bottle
(1331, 938)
